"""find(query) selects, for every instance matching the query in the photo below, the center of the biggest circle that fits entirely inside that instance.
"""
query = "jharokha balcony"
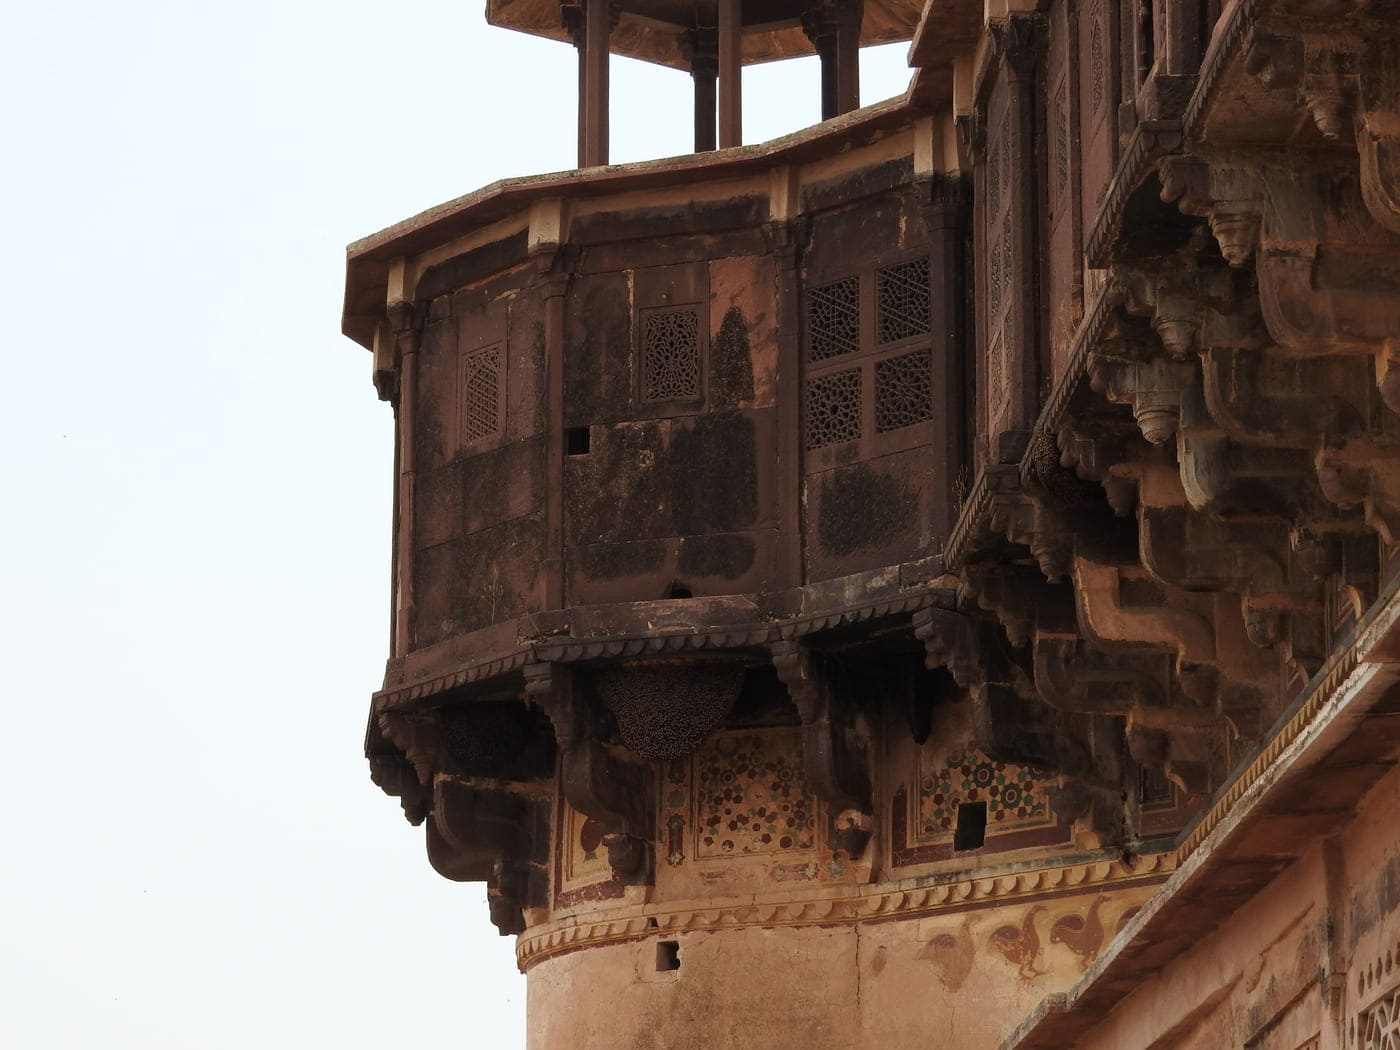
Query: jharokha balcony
(947, 549)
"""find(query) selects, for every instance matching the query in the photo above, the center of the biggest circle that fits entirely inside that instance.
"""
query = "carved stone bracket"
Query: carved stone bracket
(491, 835)
(392, 775)
(404, 326)
(1035, 524)
(949, 641)
(418, 734)
(1378, 130)
(835, 770)
(1365, 475)
(1076, 678)
(597, 783)
(1227, 197)
(1153, 388)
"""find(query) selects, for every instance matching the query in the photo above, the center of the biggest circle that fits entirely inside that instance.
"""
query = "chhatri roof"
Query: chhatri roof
(658, 30)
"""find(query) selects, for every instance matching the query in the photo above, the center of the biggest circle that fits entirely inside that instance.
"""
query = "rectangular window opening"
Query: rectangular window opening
(668, 956)
(576, 441)
(971, 831)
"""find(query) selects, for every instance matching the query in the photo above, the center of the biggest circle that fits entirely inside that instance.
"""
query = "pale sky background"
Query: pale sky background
(197, 498)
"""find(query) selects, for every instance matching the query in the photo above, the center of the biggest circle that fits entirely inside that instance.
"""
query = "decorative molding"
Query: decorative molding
(1225, 43)
(1150, 140)
(567, 649)
(1325, 684)
(917, 898)
(974, 520)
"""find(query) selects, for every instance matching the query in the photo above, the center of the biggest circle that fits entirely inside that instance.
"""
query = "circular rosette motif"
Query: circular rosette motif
(666, 710)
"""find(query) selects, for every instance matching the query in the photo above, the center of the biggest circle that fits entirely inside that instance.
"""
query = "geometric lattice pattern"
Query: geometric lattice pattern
(902, 300)
(1380, 1025)
(751, 797)
(671, 355)
(903, 391)
(1015, 795)
(833, 320)
(833, 408)
(481, 379)
(1096, 60)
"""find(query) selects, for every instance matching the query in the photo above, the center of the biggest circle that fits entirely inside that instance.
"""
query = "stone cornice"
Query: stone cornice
(1150, 140)
(973, 518)
(1225, 43)
(1081, 348)
(912, 898)
(567, 648)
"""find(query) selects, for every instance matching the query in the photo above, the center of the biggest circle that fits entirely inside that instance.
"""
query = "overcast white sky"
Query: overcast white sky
(197, 494)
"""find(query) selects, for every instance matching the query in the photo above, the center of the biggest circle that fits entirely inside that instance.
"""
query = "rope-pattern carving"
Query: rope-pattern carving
(833, 408)
(481, 380)
(903, 391)
(994, 278)
(903, 300)
(671, 355)
(833, 319)
(1061, 138)
(1006, 268)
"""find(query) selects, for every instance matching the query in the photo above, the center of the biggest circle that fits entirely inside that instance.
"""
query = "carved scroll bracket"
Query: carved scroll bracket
(1378, 131)
(397, 341)
(597, 783)
(1033, 523)
(418, 734)
(835, 769)
(1228, 198)
(481, 834)
(949, 641)
(1152, 387)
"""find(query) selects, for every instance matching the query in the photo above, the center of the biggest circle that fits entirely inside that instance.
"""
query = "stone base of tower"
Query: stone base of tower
(949, 978)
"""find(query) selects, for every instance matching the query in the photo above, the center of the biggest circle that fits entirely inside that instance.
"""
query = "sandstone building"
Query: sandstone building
(928, 580)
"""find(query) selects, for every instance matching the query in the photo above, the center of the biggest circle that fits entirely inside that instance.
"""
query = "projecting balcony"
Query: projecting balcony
(703, 396)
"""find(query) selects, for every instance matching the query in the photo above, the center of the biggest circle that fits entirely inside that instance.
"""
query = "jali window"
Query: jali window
(868, 360)
(483, 390)
(1379, 1027)
(670, 354)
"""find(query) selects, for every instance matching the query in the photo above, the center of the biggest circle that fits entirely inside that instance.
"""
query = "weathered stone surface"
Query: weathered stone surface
(931, 579)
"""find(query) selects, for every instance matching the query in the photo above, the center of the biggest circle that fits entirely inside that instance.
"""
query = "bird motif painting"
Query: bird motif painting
(1081, 934)
(1020, 945)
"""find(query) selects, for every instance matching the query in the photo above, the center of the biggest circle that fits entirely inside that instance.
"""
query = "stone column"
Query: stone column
(731, 64)
(704, 71)
(593, 84)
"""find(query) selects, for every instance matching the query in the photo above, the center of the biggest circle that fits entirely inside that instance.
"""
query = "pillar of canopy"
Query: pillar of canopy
(713, 40)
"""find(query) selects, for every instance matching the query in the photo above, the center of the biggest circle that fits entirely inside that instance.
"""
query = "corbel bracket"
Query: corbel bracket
(835, 771)
(949, 641)
(597, 783)
(494, 836)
